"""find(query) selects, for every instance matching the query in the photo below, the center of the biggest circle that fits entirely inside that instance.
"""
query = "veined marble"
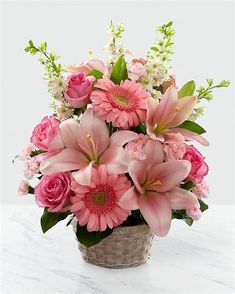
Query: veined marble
(199, 259)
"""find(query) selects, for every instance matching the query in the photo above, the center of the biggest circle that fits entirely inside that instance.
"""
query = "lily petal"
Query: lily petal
(154, 152)
(116, 160)
(184, 108)
(65, 160)
(69, 133)
(137, 171)
(120, 138)
(181, 199)
(157, 212)
(188, 135)
(165, 176)
(166, 110)
(128, 200)
(83, 176)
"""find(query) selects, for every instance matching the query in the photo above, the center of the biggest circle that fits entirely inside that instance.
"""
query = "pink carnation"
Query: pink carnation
(201, 190)
(124, 105)
(174, 151)
(97, 204)
(46, 134)
(199, 168)
(54, 192)
(195, 213)
(23, 188)
(135, 148)
(136, 69)
(25, 154)
(31, 167)
(79, 89)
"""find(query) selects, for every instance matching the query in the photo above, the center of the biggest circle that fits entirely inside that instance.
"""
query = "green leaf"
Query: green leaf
(187, 89)
(50, 219)
(188, 185)
(96, 73)
(37, 152)
(181, 214)
(203, 205)
(192, 126)
(188, 220)
(119, 72)
(31, 190)
(91, 238)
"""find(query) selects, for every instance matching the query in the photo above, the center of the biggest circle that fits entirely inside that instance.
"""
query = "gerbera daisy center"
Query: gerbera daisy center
(101, 200)
(122, 100)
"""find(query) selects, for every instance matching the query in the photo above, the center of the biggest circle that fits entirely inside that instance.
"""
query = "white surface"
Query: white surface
(189, 260)
(203, 48)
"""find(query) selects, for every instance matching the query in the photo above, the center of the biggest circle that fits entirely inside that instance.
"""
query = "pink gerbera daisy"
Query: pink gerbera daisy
(98, 205)
(124, 105)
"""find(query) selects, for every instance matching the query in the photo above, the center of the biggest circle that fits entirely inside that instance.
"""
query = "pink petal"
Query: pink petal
(92, 222)
(137, 171)
(65, 160)
(116, 160)
(154, 152)
(157, 212)
(165, 112)
(185, 107)
(69, 133)
(128, 200)
(91, 130)
(151, 120)
(181, 199)
(120, 138)
(83, 176)
(168, 175)
(188, 135)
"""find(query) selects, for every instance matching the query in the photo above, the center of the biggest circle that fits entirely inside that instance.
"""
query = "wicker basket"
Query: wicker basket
(125, 247)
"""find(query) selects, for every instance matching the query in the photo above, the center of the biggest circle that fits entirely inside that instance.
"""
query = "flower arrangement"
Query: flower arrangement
(118, 148)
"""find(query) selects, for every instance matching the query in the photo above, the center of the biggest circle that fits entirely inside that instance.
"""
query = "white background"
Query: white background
(203, 48)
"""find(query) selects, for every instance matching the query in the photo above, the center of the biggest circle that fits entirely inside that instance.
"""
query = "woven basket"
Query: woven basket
(125, 247)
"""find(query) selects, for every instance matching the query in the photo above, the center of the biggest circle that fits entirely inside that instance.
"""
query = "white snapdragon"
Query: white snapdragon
(115, 48)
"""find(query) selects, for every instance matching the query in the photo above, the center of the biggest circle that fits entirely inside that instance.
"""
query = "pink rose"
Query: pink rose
(79, 89)
(174, 151)
(199, 168)
(23, 188)
(136, 69)
(54, 192)
(46, 135)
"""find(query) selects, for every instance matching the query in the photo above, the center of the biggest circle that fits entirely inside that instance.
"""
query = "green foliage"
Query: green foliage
(192, 126)
(119, 72)
(162, 48)
(96, 73)
(187, 89)
(181, 214)
(37, 152)
(188, 185)
(134, 219)
(203, 205)
(140, 129)
(31, 190)
(91, 238)
(48, 59)
(197, 112)
(50, 219)
(207, 92)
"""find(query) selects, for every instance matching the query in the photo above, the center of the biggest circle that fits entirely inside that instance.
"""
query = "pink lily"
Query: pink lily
(156, 188)
(87, 144)
(164, 117)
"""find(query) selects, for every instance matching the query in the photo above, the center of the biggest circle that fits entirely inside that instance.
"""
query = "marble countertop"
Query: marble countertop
(199, 259)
